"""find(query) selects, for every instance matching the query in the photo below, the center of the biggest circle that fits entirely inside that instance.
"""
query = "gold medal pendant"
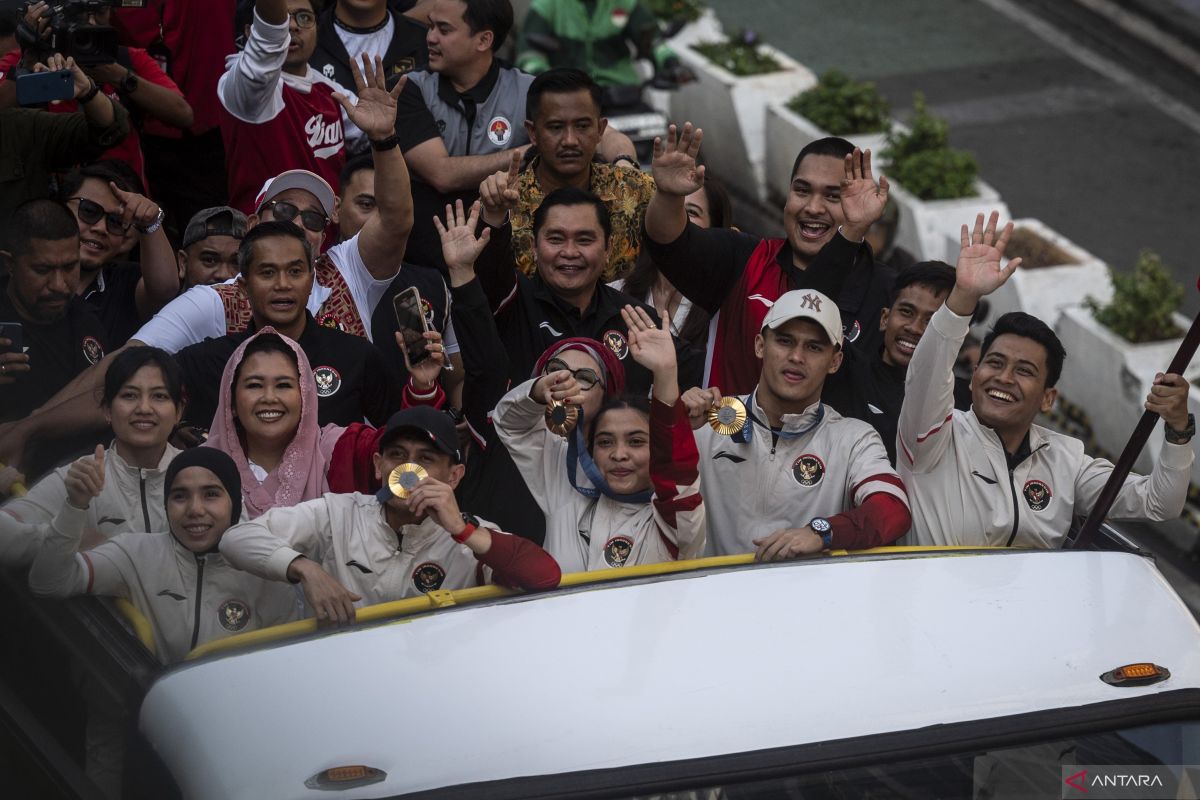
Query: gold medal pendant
(728, 416)
(404, 478)
(561, 418)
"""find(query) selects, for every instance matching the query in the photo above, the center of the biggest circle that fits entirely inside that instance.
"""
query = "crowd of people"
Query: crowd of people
(209, 386)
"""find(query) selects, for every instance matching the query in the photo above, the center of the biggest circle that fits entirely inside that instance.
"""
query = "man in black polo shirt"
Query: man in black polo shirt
(565, 297)
(353, 382)
(60, 334)
(366, 26)
(870, 386)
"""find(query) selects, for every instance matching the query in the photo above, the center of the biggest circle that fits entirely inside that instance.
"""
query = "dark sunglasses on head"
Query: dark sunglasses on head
(585, 377)
(92, 212)
(286, 212)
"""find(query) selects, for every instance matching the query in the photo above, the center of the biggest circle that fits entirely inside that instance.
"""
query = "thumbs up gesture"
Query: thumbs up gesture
(85, 478)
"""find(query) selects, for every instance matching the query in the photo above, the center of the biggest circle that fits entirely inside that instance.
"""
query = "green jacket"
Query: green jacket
(593, 35)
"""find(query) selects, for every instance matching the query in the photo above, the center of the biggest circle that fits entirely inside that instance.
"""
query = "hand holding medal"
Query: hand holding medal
(404, 478)
(562, 396)
(726, 415)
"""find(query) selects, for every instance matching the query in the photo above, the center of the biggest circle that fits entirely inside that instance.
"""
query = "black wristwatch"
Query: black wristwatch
(1181, 437)
(129, 83)
(385, 144)
(823, 528)
(89, 95)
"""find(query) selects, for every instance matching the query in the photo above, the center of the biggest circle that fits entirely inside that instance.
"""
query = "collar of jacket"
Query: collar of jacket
(791, 422)
(543, 293)
(413, 535)
(1035, 439)
(477, 94)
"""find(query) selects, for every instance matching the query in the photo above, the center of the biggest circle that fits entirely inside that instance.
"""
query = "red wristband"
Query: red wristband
(462, 536)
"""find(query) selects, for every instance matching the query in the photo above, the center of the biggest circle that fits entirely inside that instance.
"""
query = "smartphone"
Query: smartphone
(39, 88)
(410, 321)
(12, 332)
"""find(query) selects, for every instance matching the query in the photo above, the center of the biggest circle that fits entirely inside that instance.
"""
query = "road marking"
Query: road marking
(1156, 97)
(1145, 30)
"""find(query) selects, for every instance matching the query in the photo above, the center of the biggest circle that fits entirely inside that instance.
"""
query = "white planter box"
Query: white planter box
(788, 132)
(706, 29)
(732, 112)
(1109, 379)
(926, 227)
(1045, 291)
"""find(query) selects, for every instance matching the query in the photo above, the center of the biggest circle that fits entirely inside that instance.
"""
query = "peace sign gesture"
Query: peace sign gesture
(674, 165)
(136, 210)
(375, 113)
(500, 191)
(460, 247)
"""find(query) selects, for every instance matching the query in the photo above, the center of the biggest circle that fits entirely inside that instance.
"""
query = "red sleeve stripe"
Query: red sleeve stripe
(882, 477)
(12, 514)
(934, 429)
(672, 548)
(674, 460)
(91, 573)
(669, 508)
(504, 303)
(907, 453)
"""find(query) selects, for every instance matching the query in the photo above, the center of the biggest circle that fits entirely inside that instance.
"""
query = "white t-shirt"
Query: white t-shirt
(198, 313)
(373, 44)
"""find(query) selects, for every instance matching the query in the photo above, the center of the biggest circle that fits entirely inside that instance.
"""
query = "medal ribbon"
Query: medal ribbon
(743, 436)
(577, 454)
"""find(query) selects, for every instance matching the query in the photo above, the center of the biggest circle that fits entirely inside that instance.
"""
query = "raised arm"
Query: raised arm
(153, 92)
(676, 175)
(383, 239)
(160, 273)
(249, 89)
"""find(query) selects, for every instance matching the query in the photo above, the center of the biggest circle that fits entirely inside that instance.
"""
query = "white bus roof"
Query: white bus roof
(696, 665)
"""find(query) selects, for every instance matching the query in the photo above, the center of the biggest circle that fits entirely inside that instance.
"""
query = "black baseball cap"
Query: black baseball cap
(215, 221)
(427, 422)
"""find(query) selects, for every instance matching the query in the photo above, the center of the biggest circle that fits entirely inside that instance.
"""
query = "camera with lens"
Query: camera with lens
(68, 32)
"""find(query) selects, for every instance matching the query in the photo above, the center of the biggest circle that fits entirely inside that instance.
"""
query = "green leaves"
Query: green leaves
(676, 10)
(923, 162)
(1143, 302)
(843, 106)
(740, 55)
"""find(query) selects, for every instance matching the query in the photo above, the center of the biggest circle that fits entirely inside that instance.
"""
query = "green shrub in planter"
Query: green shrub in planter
(923, 162)
(676, 11)
(740, 55)
(1143, 302)
(843, 106)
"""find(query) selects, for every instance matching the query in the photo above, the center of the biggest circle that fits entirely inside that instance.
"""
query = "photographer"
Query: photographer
(80, 29)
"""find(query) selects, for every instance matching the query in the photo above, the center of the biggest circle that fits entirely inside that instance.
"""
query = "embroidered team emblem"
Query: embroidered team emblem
(812, 301)
(1037, 494)
(233, 615)
(808, 470)
(852, 333)
(617, 550)
(92, 350)
(441, 126)
(327, 320)
(499, 131)
(427, 311)
(617, 343)
(428, 577)
(327, 71)
(328, 379)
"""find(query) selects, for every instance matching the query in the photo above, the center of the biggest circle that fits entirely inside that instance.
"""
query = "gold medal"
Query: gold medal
(561, 418)
(404, 478)
(728, 416)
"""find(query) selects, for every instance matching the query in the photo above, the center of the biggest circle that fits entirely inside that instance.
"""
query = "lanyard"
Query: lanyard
(743, 436)
(577, 454)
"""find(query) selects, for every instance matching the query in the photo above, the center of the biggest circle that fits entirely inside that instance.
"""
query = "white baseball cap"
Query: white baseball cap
(807, 304)
(297, 179)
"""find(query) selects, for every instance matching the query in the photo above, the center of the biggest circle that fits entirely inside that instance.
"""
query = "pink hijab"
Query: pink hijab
(300, 474)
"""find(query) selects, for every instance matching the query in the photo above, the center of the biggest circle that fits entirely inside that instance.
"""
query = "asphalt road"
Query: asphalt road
(1103, 149)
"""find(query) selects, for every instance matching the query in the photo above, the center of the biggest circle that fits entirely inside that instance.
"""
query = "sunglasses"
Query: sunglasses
(92, 212)
(585, 377)
(286, 212)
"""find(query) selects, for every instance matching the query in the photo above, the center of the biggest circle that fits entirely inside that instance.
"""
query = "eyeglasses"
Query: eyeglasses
(304, 19)
(92, 212)
(585, 377)
(286, 212)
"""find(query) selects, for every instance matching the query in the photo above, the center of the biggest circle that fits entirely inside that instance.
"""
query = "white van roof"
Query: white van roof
(692, 666)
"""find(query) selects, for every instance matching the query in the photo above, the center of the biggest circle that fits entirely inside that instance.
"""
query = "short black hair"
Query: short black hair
(560, 80)
(573, 196)
(126, 364)
(354, 166)
(634, 402)
(489, 15)
(266, 230)
(937, 276)
(834, 146)
(41, 219)
(118, 172)
(1019, 323)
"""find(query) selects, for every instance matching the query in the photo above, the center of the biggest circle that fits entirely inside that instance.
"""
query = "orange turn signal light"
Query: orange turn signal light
(1140, 674)
(346, 777)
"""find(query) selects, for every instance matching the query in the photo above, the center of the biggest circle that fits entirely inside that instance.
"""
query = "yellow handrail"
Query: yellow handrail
(440, 599)
(141, 626)
(16, 488)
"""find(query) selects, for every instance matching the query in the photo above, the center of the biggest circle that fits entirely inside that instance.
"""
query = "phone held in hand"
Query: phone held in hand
(411, 322)
(11, 331)
(39, 88)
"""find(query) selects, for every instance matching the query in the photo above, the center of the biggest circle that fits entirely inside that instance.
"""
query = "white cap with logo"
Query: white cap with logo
(297, 179)
(807, 304)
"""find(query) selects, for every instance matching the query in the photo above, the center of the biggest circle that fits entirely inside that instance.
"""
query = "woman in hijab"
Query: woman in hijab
(177, 579)
(623, 487)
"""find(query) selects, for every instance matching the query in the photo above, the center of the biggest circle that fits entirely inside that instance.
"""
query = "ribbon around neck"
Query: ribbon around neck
(577, 454)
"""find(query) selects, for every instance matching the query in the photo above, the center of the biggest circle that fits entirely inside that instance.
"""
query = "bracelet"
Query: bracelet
(624, 157)
(1181, 436)
(385, 144)
(154, 226)
(465, 533)
(417, 393)
(90, 95)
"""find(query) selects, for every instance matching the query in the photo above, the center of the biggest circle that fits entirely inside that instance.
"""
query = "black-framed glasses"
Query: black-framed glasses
(585, 376)
(304, 19)
(284, 211)
(92, 212)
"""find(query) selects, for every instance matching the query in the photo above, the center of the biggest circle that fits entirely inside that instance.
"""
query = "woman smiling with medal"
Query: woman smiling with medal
(638, 500)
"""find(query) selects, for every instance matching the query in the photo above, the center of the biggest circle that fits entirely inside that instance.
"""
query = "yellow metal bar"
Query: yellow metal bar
(141, 626)
(17, 489)
(440, 599)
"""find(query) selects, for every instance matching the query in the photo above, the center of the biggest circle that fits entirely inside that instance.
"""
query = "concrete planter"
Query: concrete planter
(1045, 291)
(706, 29)
(926, 226)
(733, 113)
(787, 132)
(1109, 379)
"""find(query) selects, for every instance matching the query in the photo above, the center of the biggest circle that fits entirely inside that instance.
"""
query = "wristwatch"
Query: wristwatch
(129, 83)
(385, 144)
(472, 524)
(823, 528)
(154, 226)
(1184, 436)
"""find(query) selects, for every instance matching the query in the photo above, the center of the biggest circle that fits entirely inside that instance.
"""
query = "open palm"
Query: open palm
(980, 269)
(863, 201)
(460, 246)
(674, 165)
(375, 112)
